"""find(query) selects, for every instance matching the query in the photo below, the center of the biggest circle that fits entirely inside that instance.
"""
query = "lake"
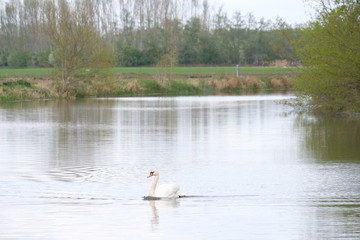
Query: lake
(250, 168)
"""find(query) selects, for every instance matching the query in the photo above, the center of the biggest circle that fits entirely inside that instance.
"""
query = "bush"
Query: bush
(3, 59)
(40, 59)
(130, 56)
(17, 59)
(22, 83)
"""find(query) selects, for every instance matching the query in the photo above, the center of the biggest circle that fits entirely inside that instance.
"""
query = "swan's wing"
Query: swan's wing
(167, 191)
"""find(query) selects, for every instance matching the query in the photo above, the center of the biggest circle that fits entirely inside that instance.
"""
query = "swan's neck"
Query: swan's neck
(153, 186)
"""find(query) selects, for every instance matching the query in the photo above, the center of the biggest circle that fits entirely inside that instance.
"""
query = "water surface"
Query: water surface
(252, 170)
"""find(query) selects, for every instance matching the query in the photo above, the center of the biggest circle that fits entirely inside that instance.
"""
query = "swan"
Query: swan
(164, 190)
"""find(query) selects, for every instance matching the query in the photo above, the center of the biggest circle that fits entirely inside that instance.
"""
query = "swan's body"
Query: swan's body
(164, 190)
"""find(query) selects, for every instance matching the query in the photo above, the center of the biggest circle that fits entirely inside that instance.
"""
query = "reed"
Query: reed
(232, 83)
(30, 88)
(282, 82)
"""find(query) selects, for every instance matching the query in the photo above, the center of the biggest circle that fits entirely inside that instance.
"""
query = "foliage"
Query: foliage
(190, 49)
(3, 58)
(130, 56)
(166, 66)
(284, 40)
(31, 88)
(330, 50)
(21, 90)
(40, 59)
(17, 60)
(80, 53)
(17, 83)
(138, 33)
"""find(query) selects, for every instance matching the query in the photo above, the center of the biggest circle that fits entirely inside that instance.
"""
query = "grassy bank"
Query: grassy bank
(5, 72)
(29, 88)
(21, 90)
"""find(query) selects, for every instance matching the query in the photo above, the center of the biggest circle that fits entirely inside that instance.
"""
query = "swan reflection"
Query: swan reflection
(161, 205)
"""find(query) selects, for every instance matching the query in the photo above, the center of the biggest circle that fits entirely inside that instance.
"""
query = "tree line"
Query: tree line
(139, 32)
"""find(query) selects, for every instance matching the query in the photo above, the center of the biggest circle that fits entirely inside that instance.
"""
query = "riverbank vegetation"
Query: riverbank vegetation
(20, 88)
(76, 45)
(330, 51)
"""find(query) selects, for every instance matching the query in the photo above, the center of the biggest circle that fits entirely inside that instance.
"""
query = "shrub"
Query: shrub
(3, 59)
(17, 59)
(21, 83)
(40, 59)
(130, 56)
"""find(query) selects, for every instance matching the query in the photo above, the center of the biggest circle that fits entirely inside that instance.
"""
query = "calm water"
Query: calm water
(252, 170)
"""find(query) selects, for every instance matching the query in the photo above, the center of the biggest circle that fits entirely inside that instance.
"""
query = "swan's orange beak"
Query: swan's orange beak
(151, 174)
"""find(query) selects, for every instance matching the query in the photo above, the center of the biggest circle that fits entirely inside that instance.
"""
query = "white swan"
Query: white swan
(164, 190)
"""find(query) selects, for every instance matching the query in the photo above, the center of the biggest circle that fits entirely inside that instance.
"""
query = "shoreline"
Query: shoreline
(37, 87)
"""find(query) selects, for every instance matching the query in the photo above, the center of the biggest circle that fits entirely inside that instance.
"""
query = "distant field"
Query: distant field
(153, 70)
(207, 70)
(25, 71)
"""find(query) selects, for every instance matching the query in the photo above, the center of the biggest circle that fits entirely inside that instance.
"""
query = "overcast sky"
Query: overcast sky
(292, 11)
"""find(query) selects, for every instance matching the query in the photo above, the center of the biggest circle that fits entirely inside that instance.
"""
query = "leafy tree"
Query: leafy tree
(80, 53)
(236, 39)
(225, 39)
(191, 45)
(130, 56)
(152, 48)
(208, 52)
(152, 54)
(284, 38)
(330, 51)
(166, 66)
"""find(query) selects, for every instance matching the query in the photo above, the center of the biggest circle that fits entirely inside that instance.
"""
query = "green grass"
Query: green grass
(153, 70)
(206, 70)
(25, 71)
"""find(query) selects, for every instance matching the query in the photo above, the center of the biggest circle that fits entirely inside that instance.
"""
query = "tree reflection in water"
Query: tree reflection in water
(330, 139)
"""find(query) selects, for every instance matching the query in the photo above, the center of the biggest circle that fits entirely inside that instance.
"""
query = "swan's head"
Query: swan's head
(153, 173)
